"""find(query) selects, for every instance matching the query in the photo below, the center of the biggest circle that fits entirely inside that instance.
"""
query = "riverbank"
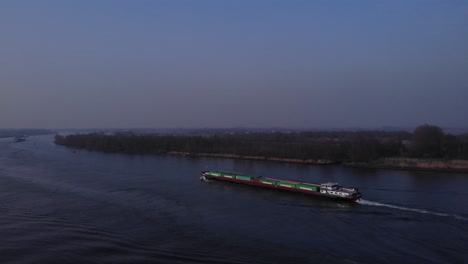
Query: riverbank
(234, 156)
(413, 164)
(387, 163)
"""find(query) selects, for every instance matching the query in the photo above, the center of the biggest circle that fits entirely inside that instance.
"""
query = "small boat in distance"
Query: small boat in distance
(19, 139)
(329, 190)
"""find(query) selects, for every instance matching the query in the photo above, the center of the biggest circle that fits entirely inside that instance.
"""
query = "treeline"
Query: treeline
(339, 146)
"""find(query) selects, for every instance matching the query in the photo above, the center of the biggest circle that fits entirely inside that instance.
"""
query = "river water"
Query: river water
(61, 206)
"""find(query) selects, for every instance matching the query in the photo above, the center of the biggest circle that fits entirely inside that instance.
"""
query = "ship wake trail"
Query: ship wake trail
(422, 211)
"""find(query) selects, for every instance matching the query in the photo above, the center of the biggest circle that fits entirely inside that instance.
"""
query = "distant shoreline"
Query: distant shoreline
(427, 149)
(414, 164)
(234, 156)
(9, 133)
(409, 164)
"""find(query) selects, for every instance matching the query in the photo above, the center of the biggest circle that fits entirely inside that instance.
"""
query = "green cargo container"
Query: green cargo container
(286, 184)
(243, 178)
(267, 181)
(307, 187)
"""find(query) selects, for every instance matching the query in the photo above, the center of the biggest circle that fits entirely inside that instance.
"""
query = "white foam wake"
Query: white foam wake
(203, 178)
(422, 211)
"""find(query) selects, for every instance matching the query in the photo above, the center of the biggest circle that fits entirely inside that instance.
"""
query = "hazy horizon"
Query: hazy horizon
(449, 130)
(219, 64)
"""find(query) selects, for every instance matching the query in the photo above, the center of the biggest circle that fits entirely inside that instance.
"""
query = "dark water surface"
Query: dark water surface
(57, 206)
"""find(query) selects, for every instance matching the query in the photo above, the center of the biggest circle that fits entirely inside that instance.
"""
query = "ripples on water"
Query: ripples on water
(43, 238)
(60, 207)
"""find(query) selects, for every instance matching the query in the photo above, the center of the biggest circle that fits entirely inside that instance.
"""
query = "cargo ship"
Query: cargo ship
(328, 190)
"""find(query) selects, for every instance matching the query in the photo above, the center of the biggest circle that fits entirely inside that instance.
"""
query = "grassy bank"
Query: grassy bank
(233, 156)
(454, 165)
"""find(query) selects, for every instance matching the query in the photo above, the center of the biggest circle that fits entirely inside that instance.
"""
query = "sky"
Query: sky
(215, 64)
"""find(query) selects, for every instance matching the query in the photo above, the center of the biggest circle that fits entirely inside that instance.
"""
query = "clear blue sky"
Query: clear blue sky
(314, 64)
